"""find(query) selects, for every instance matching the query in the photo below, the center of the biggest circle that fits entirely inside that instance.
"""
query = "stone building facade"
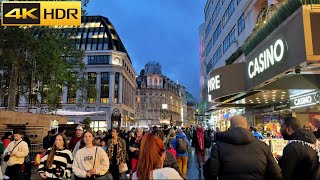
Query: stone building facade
(159, 99)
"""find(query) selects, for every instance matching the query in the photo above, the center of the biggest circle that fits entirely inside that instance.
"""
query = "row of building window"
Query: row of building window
(92, 44)
(98, 125)
(209, 46)
(217, 55)
(91, 25)
(209, 66)
(228, 41)
(214, 38)
(92, 33)
(216, 34)
(207, 9)
(104, 59)
(128, 69)
(101, 59)
(227, 15)
(241, 24)
(230, 10)
(104, 89)
(208, 28)
(214, 16)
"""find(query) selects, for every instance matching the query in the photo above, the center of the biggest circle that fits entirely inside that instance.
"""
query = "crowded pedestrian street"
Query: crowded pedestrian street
(160, 89)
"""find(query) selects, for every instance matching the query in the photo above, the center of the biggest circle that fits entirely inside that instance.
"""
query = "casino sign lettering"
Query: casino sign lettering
(269, 57)
(305, 100)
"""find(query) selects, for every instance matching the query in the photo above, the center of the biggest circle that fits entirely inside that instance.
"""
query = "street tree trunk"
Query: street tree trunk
(13, 86)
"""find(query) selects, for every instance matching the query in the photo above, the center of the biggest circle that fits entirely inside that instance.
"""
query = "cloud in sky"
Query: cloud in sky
(165, 31)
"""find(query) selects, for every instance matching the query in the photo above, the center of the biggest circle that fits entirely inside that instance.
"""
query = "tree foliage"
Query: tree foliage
(87, 121)
(38, 62)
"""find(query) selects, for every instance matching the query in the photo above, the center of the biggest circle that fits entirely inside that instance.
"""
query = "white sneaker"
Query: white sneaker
(6, 177)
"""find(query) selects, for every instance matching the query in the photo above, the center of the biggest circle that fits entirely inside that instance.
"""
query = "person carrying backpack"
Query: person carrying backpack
(181, 145)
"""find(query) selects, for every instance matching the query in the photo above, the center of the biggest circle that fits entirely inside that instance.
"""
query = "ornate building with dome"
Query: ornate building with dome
(159, 100)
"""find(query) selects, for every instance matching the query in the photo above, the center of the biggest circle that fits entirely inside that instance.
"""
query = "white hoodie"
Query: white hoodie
(85, 158)
(163, 173)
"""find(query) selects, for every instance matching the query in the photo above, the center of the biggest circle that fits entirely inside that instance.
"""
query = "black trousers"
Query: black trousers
(89, 178)
(114, 170)
(14, 171)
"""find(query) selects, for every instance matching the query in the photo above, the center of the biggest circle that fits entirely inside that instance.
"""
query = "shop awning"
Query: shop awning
(226, 82)
(62, 112)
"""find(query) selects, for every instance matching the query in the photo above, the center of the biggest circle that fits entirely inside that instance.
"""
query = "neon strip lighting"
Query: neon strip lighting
(303, 105)
(303, 93)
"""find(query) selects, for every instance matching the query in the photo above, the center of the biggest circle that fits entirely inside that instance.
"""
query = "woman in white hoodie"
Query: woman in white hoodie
(91, 161)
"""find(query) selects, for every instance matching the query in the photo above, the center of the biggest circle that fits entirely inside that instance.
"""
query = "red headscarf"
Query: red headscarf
(200, 136)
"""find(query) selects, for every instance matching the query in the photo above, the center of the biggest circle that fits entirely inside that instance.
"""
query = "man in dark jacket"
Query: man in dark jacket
(316, 122)
(237, 154)
(300, 158)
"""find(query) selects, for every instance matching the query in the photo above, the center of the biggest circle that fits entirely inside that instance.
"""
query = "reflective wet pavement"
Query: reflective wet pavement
(193, 172)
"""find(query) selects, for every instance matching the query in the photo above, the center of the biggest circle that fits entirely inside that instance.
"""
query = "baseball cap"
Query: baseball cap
(79, 127)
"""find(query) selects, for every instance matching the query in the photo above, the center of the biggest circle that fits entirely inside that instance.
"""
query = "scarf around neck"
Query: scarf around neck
(138, 139)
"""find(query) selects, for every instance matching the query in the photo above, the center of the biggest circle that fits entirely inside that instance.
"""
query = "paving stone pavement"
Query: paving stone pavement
(193, 172)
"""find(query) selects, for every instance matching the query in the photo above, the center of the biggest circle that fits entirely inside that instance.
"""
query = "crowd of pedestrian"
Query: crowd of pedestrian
(115, 154)
(162, 153)
(238, 154)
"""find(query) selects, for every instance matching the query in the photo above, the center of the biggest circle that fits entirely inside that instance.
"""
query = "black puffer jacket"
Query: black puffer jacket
(300, 161)
(238, 155)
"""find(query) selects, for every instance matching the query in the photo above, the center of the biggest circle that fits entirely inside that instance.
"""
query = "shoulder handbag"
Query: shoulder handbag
(94, 176)
(123, 167)
(7, 156)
